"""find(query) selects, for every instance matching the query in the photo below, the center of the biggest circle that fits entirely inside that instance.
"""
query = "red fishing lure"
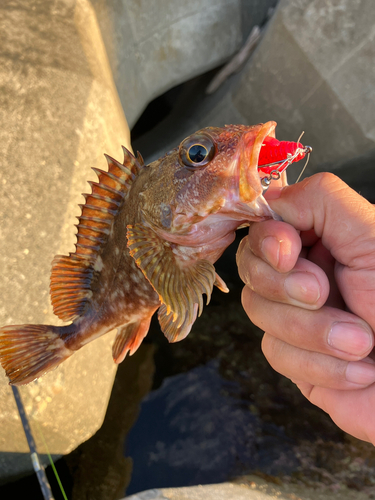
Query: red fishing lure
(278, 155)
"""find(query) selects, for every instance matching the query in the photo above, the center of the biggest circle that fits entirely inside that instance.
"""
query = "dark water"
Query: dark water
(196, 429)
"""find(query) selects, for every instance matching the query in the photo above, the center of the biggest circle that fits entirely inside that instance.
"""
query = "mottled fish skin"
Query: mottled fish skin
(147, 239)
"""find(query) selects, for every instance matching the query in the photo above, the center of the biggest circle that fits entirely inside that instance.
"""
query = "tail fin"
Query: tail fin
(29, 351)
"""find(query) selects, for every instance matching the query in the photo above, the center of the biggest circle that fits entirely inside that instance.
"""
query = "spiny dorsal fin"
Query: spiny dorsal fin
(71, 276)
(140, 159)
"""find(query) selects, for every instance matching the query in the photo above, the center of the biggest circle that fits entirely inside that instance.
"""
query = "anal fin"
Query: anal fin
(129, 337)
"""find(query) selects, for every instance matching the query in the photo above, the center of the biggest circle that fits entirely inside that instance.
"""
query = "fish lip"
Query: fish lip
(249, 181)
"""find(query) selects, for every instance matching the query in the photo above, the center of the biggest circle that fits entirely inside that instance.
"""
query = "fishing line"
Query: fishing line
(51, 462)
(38, 467)
(300, 137)
(307, 161)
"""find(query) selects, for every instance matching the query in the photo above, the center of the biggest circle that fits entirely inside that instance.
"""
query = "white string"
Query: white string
(307, 161)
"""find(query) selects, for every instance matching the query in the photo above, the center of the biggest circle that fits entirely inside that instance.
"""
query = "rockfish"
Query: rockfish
(147, 239)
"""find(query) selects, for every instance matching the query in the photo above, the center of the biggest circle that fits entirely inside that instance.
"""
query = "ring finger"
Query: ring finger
(328, 330)
(315, 368)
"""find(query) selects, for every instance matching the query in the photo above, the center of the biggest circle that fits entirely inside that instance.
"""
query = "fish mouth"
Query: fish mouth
(248, 203)
(249, 182)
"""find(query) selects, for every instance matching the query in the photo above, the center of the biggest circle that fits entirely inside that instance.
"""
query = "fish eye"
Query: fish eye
(197, 151)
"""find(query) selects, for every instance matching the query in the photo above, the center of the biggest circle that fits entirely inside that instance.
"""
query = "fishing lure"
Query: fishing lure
(276, 156)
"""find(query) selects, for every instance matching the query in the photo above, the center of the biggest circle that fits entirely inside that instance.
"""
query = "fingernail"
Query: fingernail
(350, 338)
(271, 250)
(302, 287)
(361, 373)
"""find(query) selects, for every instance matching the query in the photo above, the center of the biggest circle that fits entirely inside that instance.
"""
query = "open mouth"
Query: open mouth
(268, 156)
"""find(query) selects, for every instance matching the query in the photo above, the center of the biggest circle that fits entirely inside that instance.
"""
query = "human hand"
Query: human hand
(303, 276)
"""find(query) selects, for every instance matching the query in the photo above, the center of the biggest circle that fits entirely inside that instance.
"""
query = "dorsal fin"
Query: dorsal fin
(71, 275)
(140, 159)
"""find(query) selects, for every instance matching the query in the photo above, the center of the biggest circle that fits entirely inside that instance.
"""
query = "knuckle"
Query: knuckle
(247, 302)
(272, 350)
(326, 181)
(339, 370)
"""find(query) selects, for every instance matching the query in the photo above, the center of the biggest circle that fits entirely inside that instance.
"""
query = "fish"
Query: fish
(148, 237)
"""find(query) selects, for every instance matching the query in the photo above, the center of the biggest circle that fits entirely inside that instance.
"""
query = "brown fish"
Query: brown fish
(147, 239)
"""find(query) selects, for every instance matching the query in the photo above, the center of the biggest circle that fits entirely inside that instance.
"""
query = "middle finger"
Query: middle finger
(306, 285)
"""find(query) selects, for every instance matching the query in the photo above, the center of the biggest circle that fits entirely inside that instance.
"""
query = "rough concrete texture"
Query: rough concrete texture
(59, 111)
(312, 71)
(153, 46)
(248, 488)
(224, 491)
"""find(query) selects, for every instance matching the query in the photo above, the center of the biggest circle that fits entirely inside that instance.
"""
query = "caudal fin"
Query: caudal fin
(29, 351)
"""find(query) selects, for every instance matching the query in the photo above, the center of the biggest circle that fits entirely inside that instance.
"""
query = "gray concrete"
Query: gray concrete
(153, 46)
(250, 488)
(225, 491)
(312, 71)
(59, 111)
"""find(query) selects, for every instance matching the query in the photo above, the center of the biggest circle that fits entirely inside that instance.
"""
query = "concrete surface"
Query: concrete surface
(153, 46)
(312, 71)
(225, 491)
(59, 112)
(249, 488)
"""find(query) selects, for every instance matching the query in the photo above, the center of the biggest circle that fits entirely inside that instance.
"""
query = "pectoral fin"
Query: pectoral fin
(179, 284)
(171, 330)
(220, 283)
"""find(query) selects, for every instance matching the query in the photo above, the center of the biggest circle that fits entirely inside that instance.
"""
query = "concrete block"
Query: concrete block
(153, 46)
(223, 491)
(59, 112)
(312, 72)
(251, 487)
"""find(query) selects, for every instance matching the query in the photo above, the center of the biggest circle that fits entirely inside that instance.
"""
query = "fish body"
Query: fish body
(147, 239)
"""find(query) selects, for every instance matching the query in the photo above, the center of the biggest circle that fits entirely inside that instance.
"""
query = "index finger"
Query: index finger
(341, 217)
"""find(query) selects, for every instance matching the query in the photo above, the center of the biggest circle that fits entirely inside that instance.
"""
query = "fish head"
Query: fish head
(212, 176)
(189, 204)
